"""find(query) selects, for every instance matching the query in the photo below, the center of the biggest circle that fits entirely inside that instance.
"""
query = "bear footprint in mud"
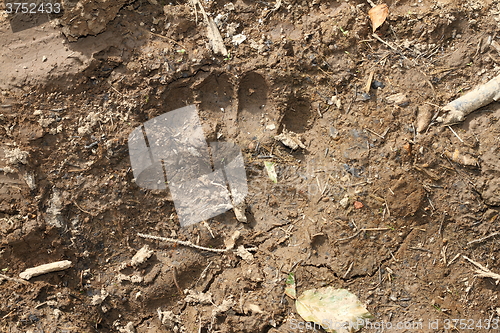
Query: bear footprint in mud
(247, 117)
(216, 95)
(254, 120)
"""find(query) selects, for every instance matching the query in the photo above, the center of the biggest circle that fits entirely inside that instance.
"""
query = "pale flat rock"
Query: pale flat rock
(141, 256)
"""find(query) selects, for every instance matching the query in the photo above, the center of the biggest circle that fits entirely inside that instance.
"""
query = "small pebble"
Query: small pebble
(334, 133)
(344, 202)
(358, 205)
(377, 84)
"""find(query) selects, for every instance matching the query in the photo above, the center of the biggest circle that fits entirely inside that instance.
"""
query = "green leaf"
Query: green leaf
(290, 290)
(271, 172)
(337, 310)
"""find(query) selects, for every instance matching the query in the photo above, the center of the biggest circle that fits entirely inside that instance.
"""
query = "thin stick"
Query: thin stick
(350, 237)
(443, 253)
(432, 104)
(384, 42)
(8, 314)
(201, 324)
(325, 188)
(319, 185)
(355, 226)
(360, 231)
(440, 231)
(430, 203)
(459, 138)
(295, 265)
(205, 224)
(483, 271)
(83, 210)
(348, 270)
(357, 184)
(387, 206)
(5, 277)
(203, 274)
(483, 239)
(375, 229)
(369, 82)
(419, 249)
(452, 260)
(116, 90)
(372, 132)
(174, 272)
(185, 243)
(352, 100)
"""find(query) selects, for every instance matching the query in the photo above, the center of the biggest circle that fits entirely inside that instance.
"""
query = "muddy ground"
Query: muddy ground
(379, 201)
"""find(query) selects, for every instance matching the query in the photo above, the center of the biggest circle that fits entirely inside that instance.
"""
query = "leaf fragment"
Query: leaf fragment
(290, 290)
(378, 15)
(336, 310)
(271, 172)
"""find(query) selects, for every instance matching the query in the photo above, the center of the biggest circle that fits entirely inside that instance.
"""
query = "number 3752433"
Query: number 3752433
(32, 8)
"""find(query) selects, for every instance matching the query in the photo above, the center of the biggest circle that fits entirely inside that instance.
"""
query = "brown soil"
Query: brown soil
(73, 86)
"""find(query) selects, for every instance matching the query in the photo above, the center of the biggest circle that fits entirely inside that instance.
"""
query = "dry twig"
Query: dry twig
(452, 131)
(453, 260)
(384, 42)
(360, 231)
(480, 240)
(5, 277)
(180, 242)
(483, 271)
(189, 244)
(174, 272)
(348, 270)
(204, 273)
(419, 249)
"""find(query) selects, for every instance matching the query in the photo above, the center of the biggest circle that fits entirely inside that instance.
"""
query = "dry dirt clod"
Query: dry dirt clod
(196, 297)
(399, 99)
(132, 278)
(230, 242)
(99, 298)
(141, 256)
(424, 117)
(225, 306)
(53, 216)
(290, 139)
(129, 328)
(16, 156)
(244, 253)
(239, 212)
(169, 319)
(462, 158)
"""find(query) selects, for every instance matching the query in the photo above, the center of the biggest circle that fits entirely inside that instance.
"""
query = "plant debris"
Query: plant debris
(378, 15)
(46, 268)
(337, 310)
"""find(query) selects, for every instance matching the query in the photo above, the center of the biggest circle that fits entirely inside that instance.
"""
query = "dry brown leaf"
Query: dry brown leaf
(378, 14)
